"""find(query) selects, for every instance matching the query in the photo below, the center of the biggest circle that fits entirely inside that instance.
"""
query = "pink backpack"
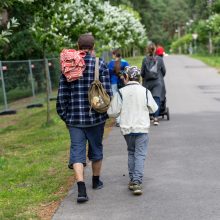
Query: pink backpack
(72, 63)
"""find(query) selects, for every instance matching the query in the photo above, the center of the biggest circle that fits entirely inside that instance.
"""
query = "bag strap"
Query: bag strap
(96, 68)
(147, 95)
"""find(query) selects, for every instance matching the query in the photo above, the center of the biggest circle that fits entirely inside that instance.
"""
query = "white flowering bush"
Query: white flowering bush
(121, 27)
(112, 26)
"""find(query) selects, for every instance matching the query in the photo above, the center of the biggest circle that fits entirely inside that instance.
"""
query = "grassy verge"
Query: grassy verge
(135, 61)
(213, 61)
(33, 159)
(23, 102)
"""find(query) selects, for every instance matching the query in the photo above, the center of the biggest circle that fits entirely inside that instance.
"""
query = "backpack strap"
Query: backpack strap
(147, 95)
(120, 95)
(96, 68)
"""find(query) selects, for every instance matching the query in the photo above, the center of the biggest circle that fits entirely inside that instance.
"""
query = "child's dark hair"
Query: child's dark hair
(117, 53)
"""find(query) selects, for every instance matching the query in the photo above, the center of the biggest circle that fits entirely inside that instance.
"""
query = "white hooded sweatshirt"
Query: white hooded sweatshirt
(133, 107)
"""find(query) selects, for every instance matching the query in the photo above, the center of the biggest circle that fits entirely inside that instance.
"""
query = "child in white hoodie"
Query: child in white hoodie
(134, 103)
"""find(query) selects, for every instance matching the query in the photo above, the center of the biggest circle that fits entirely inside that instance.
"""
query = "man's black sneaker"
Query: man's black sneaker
(82, 198)
(97, 185)
(82, 195)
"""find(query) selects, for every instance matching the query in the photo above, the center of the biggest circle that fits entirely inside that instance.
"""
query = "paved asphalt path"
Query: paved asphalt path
(182, 170)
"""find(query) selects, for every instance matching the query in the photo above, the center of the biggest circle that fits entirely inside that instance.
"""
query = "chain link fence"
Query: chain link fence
(23, 83)
(26, 80)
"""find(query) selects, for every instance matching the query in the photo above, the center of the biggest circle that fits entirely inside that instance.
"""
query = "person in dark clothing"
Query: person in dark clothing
(84, 124)
(161, 52)
(156, 84)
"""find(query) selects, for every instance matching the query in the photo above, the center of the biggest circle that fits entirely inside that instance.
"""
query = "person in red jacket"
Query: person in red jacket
(160, 51)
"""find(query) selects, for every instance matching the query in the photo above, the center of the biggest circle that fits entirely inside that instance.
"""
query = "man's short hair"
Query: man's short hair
(86, 41)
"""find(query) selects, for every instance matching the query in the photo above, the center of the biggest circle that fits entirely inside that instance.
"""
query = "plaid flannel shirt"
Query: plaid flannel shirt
(72, 99)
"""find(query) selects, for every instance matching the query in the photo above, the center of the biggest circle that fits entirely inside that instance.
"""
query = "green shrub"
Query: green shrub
(16, 94)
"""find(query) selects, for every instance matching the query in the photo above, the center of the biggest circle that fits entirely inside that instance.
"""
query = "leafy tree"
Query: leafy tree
(198, 9)
(216, 6)
(21, 44)
(209, 25)
(162, 18)
(183, 42)
(111, 26)
(46, 38)
(4, 35)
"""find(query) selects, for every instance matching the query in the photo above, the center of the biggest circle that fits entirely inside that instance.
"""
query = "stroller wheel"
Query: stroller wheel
(168, 113)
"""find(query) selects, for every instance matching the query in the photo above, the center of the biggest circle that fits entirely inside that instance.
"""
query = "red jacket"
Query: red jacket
(160, 51)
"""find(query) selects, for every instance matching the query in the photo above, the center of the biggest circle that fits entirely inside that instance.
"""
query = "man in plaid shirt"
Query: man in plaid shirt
(83, 123)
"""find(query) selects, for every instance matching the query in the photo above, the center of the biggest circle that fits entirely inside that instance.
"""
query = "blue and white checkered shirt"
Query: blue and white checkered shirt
(72, 99)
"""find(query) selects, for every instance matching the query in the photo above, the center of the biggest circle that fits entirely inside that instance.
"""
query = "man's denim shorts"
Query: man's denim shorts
(79, 137)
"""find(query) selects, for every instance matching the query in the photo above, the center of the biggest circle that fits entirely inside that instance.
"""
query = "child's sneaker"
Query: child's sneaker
(156, 121)
(151, 119)
(131, 185)
(137, 189)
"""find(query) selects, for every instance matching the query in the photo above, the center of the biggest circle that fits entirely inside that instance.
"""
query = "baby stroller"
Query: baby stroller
(164, 110)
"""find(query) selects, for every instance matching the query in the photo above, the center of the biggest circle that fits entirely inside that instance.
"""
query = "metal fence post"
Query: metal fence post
(50, 85)
(32, 78)
(3, 86)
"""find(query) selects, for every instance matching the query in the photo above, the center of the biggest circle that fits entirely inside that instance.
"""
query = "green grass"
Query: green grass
(33, 163)
(16, 94)
(213, 61)
(135, 61)
(19, 102)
